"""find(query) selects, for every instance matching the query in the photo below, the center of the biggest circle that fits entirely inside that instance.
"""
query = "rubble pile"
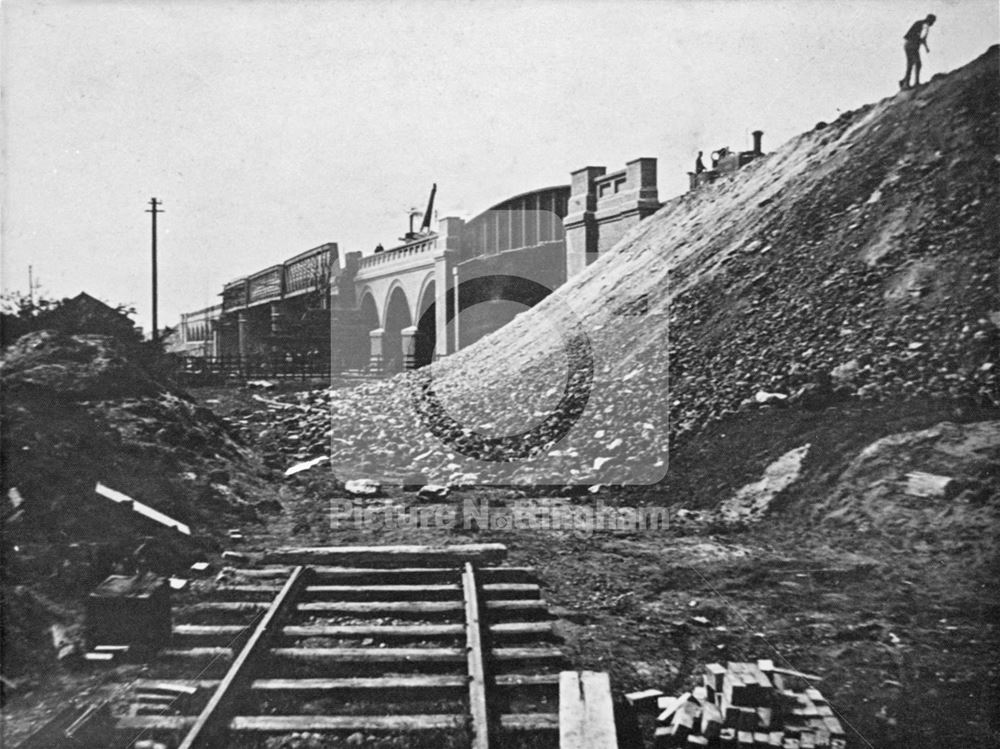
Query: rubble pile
(85, 420)
(744, 706)
(856, 262)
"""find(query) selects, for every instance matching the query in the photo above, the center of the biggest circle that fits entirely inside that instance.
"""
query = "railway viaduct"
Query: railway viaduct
(396, 308)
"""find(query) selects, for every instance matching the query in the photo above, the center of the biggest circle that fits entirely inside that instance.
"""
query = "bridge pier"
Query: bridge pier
(449, 244)
(408, 338)
(242, 333)
(375, 362)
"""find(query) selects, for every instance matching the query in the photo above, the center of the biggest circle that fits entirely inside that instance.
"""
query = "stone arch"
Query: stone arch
(487, 304)
(396, 317)
(369, 307)
(369, 312)
(369, 321)
(426, 325)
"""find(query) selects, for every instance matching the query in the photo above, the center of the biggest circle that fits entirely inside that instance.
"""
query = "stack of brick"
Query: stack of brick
(747, 706)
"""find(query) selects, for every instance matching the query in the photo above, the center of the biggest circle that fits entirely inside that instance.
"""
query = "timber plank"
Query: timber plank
(376, 631)
(586, 711)
(407, 609)
(530, 722)
(391, 575)
(383, 592)
(516, 630)
(324, 723)
(142, 723)
(435, 592)
(474, 657)
(370, 655)
(390, 556)
(380, 683)
(498, 591)
(527, 654)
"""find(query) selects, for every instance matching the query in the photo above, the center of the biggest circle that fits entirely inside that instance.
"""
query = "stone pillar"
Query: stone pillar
(580, 223)
(455, 320)
(408, 338)
(448, 253)
(642, 179)
(215, 335)
(375, 358)
(242, 333)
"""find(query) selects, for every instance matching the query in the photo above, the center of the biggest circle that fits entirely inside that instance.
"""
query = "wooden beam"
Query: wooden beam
(329, 723)
(213, 717)
(143, 723)
(412, 610)
(430, 681)
(389, 575)
(516, 630)
(370, 655)
(586, 711)
(530, 722)
(498, 591)
(391, 556)
(437, 592)
(377, 631)
(553, 655)
(380, 684)
(476, 666)
(155, 683)
(513, 681)
(196, 654)
(383, 592)
(520, 609)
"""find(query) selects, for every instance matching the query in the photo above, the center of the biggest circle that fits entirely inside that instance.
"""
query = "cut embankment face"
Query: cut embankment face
(855, 262)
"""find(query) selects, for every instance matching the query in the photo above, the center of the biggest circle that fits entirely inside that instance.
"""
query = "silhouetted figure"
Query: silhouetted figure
(379, 248)
(699, 165)
(916, 36)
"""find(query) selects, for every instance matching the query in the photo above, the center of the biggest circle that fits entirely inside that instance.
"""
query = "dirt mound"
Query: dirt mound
(79, 410)
(856, 262)
(943, 482)
(77, 367)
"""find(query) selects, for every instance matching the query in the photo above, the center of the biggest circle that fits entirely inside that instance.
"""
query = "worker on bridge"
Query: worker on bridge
(915, 37)
(699, 165)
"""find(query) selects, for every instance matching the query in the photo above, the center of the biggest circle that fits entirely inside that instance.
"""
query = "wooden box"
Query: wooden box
(130, 610)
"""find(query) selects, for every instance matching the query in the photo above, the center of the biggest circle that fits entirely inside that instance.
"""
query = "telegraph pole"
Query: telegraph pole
(154, 209)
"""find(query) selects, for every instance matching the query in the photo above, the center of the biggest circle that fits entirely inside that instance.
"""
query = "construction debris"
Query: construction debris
(363, 487)
(744, 705)
(306, 465)
(433, 491)
(155, 515)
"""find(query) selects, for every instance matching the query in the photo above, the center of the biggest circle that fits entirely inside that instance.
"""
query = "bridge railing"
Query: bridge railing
(207, 370)
(397, 253)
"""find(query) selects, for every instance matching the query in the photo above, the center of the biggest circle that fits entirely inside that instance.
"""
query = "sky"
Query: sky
(268, 128)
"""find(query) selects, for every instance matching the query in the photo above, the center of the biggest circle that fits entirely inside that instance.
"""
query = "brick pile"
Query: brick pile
(745, 706)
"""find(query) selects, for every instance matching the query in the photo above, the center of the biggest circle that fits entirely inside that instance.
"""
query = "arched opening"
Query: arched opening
(369, 321)
(488, 303)
(426, 329)
(397, 317)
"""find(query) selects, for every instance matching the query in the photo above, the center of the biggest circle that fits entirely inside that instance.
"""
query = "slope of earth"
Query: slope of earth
(78, 410)
(857, 261)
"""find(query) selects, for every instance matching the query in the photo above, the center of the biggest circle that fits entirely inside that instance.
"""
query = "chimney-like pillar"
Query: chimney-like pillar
(580, 223)
(757, 135)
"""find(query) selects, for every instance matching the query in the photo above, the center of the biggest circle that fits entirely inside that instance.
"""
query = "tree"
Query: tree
(21, 314)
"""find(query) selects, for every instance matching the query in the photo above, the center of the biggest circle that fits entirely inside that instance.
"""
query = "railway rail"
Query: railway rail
(401, 646)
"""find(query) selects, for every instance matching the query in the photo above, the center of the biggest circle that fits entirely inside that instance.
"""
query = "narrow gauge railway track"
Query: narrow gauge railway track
(414, 646)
